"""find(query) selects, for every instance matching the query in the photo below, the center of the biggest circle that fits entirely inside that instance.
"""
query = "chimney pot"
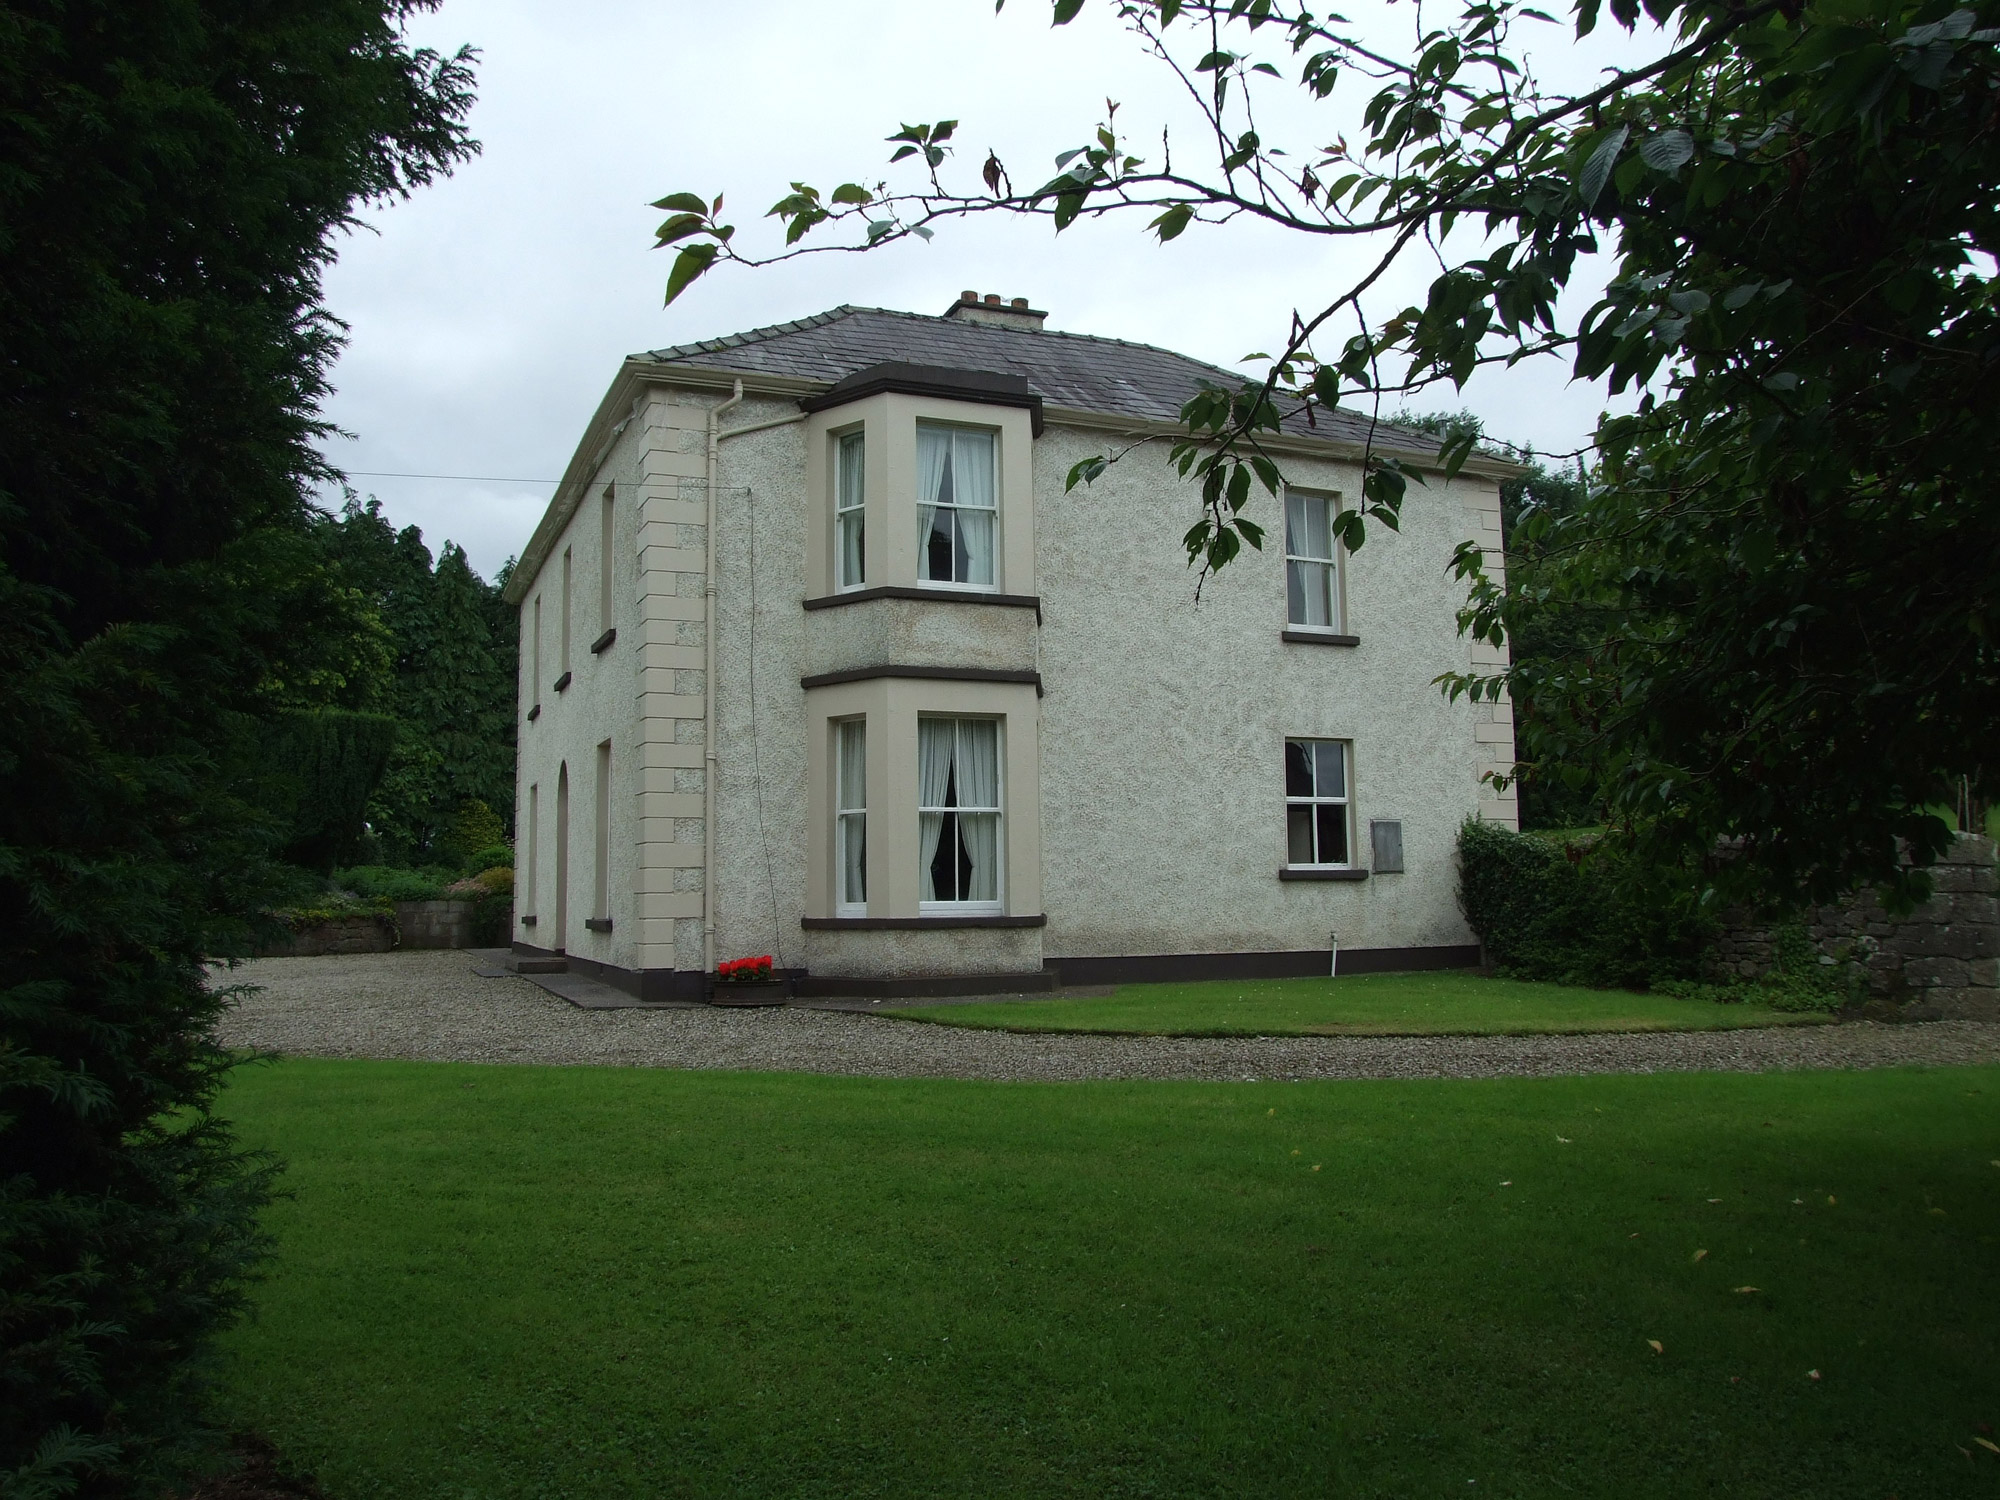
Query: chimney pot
(993, 311)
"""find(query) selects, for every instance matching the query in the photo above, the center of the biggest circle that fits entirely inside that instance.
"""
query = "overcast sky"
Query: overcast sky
(490, 312)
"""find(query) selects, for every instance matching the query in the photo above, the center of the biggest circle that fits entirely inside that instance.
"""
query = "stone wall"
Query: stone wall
(435, 924)
(1941, 960)
(363, 934)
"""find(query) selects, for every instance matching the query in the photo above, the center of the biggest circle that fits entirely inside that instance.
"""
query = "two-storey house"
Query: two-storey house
(819, 658)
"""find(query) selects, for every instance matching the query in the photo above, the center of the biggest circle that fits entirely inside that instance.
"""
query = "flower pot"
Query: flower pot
(749, 991)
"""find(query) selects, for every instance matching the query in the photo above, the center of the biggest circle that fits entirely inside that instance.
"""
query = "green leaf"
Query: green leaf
(1172, 222)
(1066, 11)
(688, 266)
(1597, 170)
(1668, 151)
(679, 228)
(1085, 471)
(686, 203)
(852, 192)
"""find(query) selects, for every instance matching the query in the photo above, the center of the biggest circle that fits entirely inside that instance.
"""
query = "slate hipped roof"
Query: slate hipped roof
(1074, 370)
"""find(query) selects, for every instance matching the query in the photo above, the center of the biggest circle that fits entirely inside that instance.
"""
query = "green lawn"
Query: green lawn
(548, 1282)
(1451, 1002)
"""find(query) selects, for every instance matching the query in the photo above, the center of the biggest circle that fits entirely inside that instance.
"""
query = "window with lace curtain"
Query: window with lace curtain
(850, 828)
(957, 505)
(1312, 563)
(850, 514)
(958, 815)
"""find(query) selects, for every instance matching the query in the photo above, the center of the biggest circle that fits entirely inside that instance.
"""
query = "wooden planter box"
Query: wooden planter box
(749, 991)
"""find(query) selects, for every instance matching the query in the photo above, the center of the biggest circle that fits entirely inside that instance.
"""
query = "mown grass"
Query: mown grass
(552, 1282)
(1456, 1002)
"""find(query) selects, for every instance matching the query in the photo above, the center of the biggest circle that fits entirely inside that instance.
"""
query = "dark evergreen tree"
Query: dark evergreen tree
(172, 174)
(451, 690)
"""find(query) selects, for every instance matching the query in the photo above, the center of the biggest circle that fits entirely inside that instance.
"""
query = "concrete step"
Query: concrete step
(524, 965)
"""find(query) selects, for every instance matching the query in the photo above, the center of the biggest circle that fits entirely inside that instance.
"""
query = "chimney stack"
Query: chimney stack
(995, 311)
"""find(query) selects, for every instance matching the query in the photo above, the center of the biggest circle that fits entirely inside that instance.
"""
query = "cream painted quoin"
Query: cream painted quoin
(838, 670)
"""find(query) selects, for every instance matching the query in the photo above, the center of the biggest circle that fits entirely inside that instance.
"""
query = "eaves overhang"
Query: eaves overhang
(899, 377)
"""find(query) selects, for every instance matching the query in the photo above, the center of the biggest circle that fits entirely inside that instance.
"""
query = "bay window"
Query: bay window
(850, 831)
(1316, 804)
(958, 814)
(957, 505)
(850, 516)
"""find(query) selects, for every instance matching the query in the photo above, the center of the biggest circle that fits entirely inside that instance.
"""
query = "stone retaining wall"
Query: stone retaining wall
(1942, 960)
(435, 924)
(363, 934)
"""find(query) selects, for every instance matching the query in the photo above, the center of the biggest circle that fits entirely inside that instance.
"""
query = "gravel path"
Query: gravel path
(431, 1006)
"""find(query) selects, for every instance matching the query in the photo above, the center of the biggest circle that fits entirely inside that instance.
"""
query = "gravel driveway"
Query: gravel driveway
(433, 1007)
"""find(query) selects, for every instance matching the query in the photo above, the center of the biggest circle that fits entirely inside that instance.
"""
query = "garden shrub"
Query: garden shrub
(493, 856)
(475, 828)
(491, 893)
(385, 885)
(1575, 912)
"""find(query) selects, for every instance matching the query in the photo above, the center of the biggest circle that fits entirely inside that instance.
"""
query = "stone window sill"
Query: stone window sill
(914, 924)
(563, 681)
(598, 924)
(1319, 638)
(604, 642)
(1288, 873)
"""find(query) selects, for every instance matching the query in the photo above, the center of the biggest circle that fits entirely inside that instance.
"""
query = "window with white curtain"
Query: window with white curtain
(957, 495)
(1312, 562)
(849, 510)
(958, 814)
(850, 828)
(1316, 804)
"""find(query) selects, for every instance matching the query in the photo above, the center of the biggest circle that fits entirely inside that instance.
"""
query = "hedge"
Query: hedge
(1576, 912)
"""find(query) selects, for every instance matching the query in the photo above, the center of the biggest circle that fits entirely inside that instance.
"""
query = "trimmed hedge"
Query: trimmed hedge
(1574, 912)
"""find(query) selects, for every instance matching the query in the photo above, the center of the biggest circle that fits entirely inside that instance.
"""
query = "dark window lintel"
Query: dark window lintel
(933, 674)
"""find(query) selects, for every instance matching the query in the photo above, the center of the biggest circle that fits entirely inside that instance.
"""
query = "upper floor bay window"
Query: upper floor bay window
(958, 814)
(850, 515)
(1312, 563)
(1316, 804)
(850, 825)
(957, 505)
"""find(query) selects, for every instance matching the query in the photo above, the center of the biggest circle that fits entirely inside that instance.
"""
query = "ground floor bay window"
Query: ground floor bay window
(923, 803)
(958, 815)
